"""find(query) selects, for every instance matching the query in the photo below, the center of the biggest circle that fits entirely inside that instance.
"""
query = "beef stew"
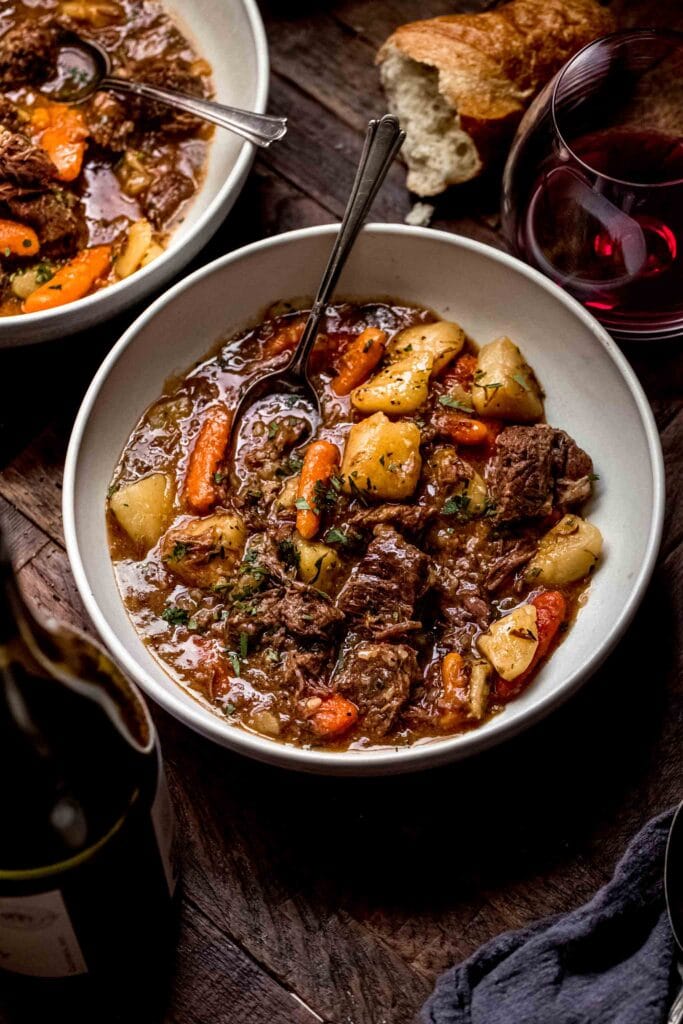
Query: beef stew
(89, 192)
(400, 576)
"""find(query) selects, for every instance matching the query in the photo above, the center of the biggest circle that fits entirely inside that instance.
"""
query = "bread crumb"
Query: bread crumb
(420, 215)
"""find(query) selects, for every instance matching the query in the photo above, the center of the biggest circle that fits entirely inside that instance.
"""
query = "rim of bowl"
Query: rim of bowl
(393, 759)
(238, 171)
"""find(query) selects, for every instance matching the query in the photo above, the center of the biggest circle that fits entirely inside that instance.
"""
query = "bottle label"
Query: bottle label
(37, 937)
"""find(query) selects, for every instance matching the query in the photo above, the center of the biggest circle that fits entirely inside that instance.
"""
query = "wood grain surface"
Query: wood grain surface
(308, 899)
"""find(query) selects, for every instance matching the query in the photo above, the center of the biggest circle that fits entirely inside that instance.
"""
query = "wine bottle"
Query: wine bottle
(87, 839)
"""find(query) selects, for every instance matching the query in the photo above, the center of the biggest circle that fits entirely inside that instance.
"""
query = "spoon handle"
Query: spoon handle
(383, 140)
(257, 128)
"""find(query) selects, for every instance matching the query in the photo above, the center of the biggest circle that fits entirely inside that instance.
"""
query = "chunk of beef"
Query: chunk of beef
(165, 196)
(536, 468)
(10, 115)
(442, 472)
(410, 518)
(460, 557)
(109, 123)
(57, 216)
(22, 163)
(381, 591)
(508, 555)
(158, 116)
(378, 678)
(28, 53)
(293, 610)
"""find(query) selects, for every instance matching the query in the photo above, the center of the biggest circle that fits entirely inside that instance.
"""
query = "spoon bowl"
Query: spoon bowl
(383, 140)
(83, 68)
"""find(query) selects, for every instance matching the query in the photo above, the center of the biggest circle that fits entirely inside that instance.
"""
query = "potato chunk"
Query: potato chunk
(399, 388)
(566, 553)
(204, 551)
(382, 458)
(144, 508)
(319, 564)
(442, 341)
(504, 384)
(511, 642)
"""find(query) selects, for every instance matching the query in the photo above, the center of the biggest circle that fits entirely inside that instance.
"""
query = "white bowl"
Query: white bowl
(591, 392)
(230, 35)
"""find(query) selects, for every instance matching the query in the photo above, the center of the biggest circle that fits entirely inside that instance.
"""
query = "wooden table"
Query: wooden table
(310, 899)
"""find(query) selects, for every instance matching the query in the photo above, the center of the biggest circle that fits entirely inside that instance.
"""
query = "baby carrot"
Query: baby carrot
(17, 239)
(335, 716)
(466, 431)
(551, 609)
(61, 131)
(462, 372)
(285, 339)
(359, 360)
(320, 461)
(72, 281)
(208, 451)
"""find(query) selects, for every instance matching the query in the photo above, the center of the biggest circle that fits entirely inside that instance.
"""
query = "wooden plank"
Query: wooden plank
(24, 539)
(215, 981)
(49, 585)
(32, 481)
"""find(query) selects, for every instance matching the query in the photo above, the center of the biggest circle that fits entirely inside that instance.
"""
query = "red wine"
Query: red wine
(607, 224)
(86, 845)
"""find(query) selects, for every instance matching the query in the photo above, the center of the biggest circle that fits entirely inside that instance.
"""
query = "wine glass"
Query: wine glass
(593, 185)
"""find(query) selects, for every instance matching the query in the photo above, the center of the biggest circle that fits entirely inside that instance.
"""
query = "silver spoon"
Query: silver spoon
(383, 140)
(673, 890)
(84, 67)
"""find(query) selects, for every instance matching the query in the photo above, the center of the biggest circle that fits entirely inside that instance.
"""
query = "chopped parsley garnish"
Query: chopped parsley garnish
(234, 661)
(458, 506)
(179, 552)
(522, 381)
(244, 646)
(335, 536)
(27, 243)
(593, 476)
(218, 476)
(318, 567)
(273, 429)
(175, 616)
(8, 251)
(288, 553)
(455, 403)
(229, 708)
(302, 504)
(112, 489)
(44, 273)
(271, 654)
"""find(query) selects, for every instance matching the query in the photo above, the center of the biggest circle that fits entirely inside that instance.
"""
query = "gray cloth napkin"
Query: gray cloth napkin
(609, 962)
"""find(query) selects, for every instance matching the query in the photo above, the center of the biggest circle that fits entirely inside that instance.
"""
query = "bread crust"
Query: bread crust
(492, 64)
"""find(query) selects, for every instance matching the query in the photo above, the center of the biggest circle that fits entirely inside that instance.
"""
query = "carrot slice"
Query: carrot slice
(61, 131)
(551, 611)
(359, 360)
(320, 462)
(17, 239)
(285, 339)
(336, 715)
(206, 456)
(466, 431)
(72, 281)
(462, 372)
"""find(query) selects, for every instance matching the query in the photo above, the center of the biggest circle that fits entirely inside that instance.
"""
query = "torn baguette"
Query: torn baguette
(460, 83)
